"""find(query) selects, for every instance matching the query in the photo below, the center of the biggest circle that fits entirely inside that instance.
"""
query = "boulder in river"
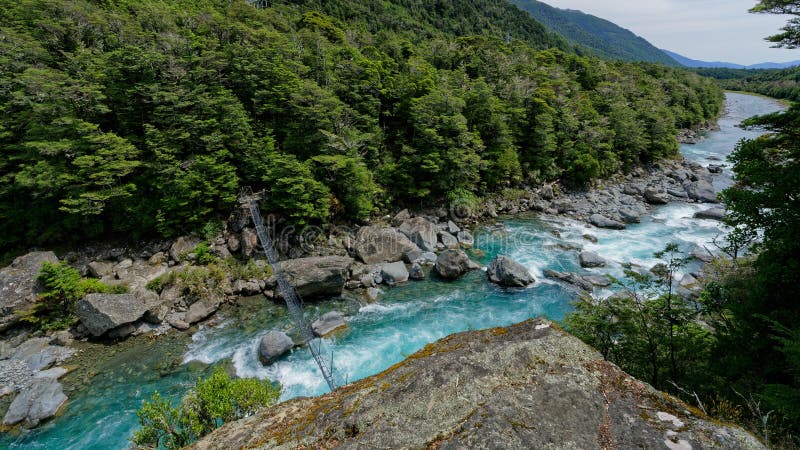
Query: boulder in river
(507, 272)
(711, 214)
(102, 312)
(373, 294)
(702, 191)
(39, 401)
(591, 260)
(317, 276)
(19, 288)
(376, 244)
(601, 221)
(452, 264)
(273, 345)
(394, 273)
(628, 215)
(329, 323)
(570, 278)
(416, 272)
(598, 280)
(420, 231)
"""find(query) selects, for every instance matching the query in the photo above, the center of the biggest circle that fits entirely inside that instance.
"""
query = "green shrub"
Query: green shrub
(216, 400)
(160, 283)
(246, 271)
(63, 287)
(203, 255)
(212, 229)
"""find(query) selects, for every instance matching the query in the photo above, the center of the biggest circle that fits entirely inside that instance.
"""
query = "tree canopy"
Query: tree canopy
(143, 118)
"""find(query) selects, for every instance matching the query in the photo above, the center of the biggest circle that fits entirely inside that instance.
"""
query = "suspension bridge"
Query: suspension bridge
(294, 303)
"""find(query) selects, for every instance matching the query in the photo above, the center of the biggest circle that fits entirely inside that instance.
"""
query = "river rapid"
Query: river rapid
(101, 413)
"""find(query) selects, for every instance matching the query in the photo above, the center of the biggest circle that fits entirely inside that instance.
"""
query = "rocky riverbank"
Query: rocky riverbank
(175, 285)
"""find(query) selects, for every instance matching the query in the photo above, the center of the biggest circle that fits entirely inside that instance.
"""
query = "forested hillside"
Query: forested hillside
(604, 38)
(146, 117)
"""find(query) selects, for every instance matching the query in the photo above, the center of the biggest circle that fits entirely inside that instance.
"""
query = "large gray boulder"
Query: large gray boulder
(528, 386)
(452, 228)
(465, 238)
(655, 196)
(711, 214)
(19, 288)
(41, 400)
(273, 345)
(452, 264)
(591, 259)
(636, 188)
(203, 308)
(702, 191)
(601, 221)
(375, 244)
(394, 273)
(329, 323)
(99, 269)
(421, 231)
(317, 276)
(102, 312)
(629, 215)
(182, 247)
(507, 272)
(570, 278)
(448, 240)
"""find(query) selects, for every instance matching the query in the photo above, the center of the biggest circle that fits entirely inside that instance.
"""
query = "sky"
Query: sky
(708, 30)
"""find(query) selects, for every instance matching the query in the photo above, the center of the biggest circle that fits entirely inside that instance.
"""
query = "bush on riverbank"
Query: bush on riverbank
(63, 287)
(214, 401)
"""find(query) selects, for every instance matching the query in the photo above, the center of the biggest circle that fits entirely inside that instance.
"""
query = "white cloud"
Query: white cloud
(699, 29)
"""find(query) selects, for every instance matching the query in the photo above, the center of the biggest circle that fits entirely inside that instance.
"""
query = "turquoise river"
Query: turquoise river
(101, 412)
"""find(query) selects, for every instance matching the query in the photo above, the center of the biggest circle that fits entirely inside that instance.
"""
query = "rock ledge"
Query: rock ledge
(526, 386)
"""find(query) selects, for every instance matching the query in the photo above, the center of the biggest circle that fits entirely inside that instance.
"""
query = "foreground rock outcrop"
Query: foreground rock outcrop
(522, 387)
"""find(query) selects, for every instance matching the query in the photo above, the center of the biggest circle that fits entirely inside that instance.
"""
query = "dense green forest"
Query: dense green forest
(146, 117)
(603, 38)
(776, 83)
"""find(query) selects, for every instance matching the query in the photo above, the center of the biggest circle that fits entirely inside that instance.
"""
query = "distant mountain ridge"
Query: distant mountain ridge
(605, 38)
(695, 63)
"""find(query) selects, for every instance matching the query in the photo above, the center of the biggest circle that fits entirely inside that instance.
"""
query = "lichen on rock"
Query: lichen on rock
(527, 386)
